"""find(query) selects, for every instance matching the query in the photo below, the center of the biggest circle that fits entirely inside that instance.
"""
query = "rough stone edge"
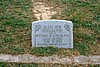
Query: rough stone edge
(28, 58)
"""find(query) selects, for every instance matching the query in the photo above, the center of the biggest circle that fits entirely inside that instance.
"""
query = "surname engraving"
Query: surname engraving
(52, 29)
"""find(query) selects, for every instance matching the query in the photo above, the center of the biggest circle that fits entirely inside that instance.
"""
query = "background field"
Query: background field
(16, 17)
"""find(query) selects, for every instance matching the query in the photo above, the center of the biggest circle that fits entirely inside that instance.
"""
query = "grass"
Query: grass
(82, 48)
(15, 26)
(44, 51)
(2, 29)
(85, 17)
(4, 64)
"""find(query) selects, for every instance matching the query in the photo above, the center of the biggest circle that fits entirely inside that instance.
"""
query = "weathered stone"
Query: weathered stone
(81, 60)
(58, 33)
(28, 58)
(4, 57)
(14, 59)
(94, 59)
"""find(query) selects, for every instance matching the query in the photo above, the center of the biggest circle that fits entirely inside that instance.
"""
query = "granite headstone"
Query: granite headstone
(57, 33)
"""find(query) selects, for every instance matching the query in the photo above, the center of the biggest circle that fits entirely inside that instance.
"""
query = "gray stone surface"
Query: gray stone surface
(28, 58)
(94, 59)
(57, 33)
(81, 60)
(87, 59)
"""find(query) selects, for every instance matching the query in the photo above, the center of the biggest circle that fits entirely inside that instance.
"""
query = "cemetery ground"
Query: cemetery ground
(16, 17)
(42, 65)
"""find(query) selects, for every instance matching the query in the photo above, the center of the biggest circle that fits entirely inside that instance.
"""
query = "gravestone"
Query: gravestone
(57, 33)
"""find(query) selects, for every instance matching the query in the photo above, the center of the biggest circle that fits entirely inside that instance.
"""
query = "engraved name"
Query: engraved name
(52, 29)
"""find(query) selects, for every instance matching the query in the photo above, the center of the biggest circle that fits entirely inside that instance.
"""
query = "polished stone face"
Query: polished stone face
(58, 33)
